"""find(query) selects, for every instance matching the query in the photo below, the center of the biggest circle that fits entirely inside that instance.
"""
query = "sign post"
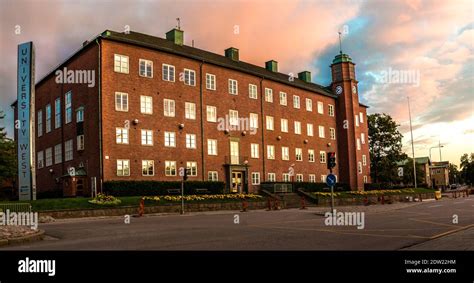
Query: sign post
(25, 125)
(331, 179)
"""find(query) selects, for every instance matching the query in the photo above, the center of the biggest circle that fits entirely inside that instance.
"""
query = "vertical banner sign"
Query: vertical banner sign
(26, 122)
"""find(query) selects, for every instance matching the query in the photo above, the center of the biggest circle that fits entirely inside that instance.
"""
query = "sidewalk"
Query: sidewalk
(459, 241)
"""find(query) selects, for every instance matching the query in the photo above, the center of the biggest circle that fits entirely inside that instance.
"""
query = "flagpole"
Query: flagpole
(412, 146)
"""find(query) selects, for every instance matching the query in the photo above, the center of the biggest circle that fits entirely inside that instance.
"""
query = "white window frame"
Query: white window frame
(121, 64)
(296, 102)
(192, 167)
(190, 110)
(286, 177)
(213, 111)
(121, 135)
(364, 160)
(48, 118)
(233, 117)
(358, 144)
(283, 98)
(299, 178)
(123, 105)
(40, 159)
(253, 91)
(331, 110)
(362, 138)
(297, 127)
(321, 131)
(123, 167)
(298, 154)
(48, 157)
(312, 178)
(320, 107)
(211, 147)
(172, 168)
(57, 113)
(361, 117)
(269, 95)
(253, 121)
(80, 142)
(189, 77)
(148, 68)
(169, 108)
(146, 167)
(169, 73)
(332, 133)
(210, 81)
(146, 137)
(255, 178)
(254, 150)
(284, 125)
(146, 104)
(270, 152)
(271, 177)
(322, 156)
(285, 153)
(68, 150)
(212, 176)
(58, 153)
(310, 130)
(311, 155)
(309, 104)
(359, 167)
(233, 87)
(68, 107)
(39, 123)
(170, 139)
(357, 120)
(191, 141)
(270, 123)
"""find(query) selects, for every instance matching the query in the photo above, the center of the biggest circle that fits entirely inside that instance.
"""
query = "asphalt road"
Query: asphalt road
(387, 227)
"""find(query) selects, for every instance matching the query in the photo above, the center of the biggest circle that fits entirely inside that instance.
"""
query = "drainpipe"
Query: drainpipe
(101, 170)
(202, 121)
(262, 122)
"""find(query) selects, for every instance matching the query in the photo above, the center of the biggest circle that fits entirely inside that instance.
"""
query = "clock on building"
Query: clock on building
(338, 89)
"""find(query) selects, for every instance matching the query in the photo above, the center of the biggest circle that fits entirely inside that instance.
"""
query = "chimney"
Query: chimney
(232, 53)
(176, 36)
(272, 65)
(305, 76)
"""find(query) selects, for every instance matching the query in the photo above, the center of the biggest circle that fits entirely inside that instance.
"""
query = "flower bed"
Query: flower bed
(220, 197)
(352, 194)
(102, 199)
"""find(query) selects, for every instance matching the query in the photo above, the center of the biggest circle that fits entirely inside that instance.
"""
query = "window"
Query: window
(270, 151)
(320, 107)
(80, 115)
(269, 95)
(312, 178)
(58, 155)
(170, 139)
(309, 130)
(210, 82)
(48, 118)
(121, 135)
(311, 155)
(80, 142)
(252, 91)
(49, 156)
(271, 177)
(40, 123)
(321, 131)
(211, 113)
(147, 137)
(284, 125)
(168, 73)
(68, 107)
(331, 110)
(148, 168)
(189, 77)
(146, 68)
(365, 179)
(146, 104)
(323, 178)
(254, 152)
(255, 178)
(191, 141)
(299, 154)
(212, 176)
(322, 157)
(233, 87)
(299, 177)
(309, 104)
(234, 117)
(121, 101)
(68, 150)
(361, 116)
(269, 121)
(296, 101)
(123, 167)
(358, 144)
(359, 167)
(357, 120)
(364, 160)
(283, 100)
(285, 153)
(286, 177)
(169, 108)
(332, 133)
(211, 147)
(192, 167)
(170, 168)
(40, 159)
(57, 113)
(253, 121)
(362, 138)
(298, 127)
(120, 63)
(190, 110)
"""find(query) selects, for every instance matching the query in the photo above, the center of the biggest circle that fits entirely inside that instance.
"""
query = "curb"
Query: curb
(24, 239)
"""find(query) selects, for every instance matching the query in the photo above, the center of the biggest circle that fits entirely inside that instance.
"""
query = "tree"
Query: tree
(454, 176)
(467, 168)
(408, 177)
(385, 147)
(7, 155)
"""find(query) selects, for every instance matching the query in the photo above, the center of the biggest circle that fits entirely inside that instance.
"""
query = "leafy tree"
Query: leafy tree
(7, 155)
(454, 175)
(385, 147)
(467, 168)
(408, 173)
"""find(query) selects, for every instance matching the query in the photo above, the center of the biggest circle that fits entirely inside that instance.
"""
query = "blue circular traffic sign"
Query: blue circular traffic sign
(331, 180)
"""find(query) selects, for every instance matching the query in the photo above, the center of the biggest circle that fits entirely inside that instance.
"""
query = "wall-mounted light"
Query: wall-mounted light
(135, 121)
(279, 138)
(329, 144)
(226, 131)
(305, 141)
(51, 170)
(181, 126)
(244, 133)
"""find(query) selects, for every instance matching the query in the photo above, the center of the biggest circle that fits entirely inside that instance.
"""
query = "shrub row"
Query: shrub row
(312, 187)
(157, 188)
(388, 186)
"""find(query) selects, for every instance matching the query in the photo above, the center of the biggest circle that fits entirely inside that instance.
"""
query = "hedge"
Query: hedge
(388, 186)
(155, 188)
(313, 187)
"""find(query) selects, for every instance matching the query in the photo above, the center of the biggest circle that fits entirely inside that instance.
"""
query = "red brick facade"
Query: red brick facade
(101, 152)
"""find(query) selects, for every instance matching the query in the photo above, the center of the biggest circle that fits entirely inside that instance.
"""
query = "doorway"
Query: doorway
(236, 182)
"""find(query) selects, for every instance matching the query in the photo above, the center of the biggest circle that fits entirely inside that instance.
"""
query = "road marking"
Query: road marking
(438, 205)
(458, 202)
(431, 222)
(452, 231)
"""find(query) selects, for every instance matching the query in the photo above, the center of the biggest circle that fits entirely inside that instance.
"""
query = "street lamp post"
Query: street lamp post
(438, 146)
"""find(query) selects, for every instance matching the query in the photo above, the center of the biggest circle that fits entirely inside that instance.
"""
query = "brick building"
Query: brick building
(157, 105)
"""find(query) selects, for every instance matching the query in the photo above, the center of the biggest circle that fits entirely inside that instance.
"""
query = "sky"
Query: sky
(418, 49)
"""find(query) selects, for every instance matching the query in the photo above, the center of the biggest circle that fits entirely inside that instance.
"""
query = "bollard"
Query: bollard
(141, 208)
(303, 203)
(244, 205)
(277, 205)
(366, 201)
(383, 200)
(421, 199)
(269, 204)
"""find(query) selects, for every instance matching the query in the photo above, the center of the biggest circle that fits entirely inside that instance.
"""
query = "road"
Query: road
(387, 227)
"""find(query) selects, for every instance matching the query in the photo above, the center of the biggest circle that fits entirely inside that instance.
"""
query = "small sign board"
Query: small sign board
(331, 180)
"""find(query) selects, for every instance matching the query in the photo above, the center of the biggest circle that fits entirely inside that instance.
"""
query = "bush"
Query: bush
(388, 186)
(102, 199)
(157, 188)
(312, 187)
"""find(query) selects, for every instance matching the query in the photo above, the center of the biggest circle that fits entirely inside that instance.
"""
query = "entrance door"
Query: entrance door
(234, 152)
(236, 182)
